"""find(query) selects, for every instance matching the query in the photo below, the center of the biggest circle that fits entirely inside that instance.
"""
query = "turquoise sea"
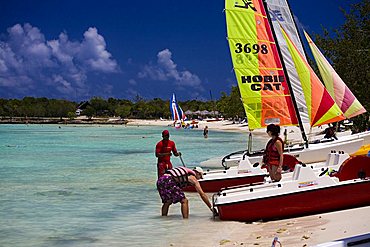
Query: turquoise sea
(95, 185)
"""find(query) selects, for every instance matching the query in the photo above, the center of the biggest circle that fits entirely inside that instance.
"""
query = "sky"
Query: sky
(76, 50)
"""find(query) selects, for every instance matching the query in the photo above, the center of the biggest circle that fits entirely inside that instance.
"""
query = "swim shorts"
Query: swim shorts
(168, 190)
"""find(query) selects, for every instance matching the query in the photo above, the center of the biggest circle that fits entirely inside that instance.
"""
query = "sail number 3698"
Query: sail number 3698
(249, 48)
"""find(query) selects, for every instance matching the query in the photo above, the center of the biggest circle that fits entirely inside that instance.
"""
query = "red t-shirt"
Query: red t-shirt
(164, 163)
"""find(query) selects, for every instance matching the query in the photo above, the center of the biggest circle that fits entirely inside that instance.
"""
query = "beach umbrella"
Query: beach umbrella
(205, 112)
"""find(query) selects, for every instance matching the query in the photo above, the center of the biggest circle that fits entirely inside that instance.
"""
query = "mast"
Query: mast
(287, 78)
(299, 35)
(281, 16)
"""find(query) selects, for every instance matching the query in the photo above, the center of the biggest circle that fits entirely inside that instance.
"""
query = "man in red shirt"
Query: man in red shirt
(163, 151)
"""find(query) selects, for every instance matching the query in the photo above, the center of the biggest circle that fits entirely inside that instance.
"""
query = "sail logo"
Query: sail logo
(276, 15)
(247, 4)
(267, 82)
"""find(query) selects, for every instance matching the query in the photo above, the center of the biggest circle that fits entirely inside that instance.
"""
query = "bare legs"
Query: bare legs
(184, 208)
(274, 175)
(165, 208)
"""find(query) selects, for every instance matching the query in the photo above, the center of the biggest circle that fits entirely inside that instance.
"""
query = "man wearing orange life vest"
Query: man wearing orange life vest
(273, 157)
(163, 151)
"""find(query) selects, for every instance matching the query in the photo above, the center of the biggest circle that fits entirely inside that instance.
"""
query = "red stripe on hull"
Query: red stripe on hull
(299, 204)
(217, 185)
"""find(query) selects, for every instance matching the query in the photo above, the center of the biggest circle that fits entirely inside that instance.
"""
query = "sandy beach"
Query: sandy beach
(216, 125)
(303, 231)
(294, 133)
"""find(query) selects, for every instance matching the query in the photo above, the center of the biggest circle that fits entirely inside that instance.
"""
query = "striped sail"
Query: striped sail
(280, 14)
(257, 65)
(342, 95)
(175, 113)
(182, 114)
(321, 107)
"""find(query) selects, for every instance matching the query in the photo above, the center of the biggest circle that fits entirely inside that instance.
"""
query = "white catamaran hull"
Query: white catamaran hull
(247, 174)
(314, 153)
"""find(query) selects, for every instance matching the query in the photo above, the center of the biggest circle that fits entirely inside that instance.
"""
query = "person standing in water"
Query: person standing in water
(170, 187)
(274, 153)
(163, 151)
(205, 132)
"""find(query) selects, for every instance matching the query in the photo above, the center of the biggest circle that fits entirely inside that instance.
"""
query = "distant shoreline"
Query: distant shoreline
(217, 125)
(47, 120)
(224, 125)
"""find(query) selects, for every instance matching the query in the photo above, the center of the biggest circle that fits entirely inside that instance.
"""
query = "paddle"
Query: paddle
(182, 161)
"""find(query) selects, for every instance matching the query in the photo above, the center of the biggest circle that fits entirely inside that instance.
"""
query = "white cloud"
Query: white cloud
(62, 85)
(132, 82)
(93, 51)
(166, 70)
(30, 62)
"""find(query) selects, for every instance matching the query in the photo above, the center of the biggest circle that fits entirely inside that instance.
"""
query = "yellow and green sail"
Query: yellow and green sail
(342, 95)
(257, 65)
(321, 107)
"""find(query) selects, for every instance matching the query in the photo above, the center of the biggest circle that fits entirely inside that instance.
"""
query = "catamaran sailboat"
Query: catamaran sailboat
(268, 98)
(177, 114)
(244, 172)
(277, 84)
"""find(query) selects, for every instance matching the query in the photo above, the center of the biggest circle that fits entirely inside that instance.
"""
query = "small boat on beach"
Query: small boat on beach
(307, 192)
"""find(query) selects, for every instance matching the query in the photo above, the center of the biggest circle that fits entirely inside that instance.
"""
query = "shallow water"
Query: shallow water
(95, 185)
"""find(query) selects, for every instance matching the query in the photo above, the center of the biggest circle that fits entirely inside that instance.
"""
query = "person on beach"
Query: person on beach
(163, 151)
(330, 132)
(205, 132)
(170, 187)
(273, 157)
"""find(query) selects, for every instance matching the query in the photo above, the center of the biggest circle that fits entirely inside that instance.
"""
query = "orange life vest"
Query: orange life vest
(272, 155)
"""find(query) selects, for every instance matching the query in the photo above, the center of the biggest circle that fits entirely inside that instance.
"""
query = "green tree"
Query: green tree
(99, 105)
(231, 106)
(123, 110)
(349, 50)
(71, 115)
(89, 111)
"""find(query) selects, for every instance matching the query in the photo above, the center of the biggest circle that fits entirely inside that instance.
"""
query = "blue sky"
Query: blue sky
(79, 49)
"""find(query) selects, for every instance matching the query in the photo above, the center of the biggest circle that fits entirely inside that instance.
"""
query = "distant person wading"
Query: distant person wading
(205, 132)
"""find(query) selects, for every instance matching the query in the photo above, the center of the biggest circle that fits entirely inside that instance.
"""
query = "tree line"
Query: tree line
(227, 106)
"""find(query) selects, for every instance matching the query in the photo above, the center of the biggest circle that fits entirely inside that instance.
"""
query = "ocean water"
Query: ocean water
(95, 186)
